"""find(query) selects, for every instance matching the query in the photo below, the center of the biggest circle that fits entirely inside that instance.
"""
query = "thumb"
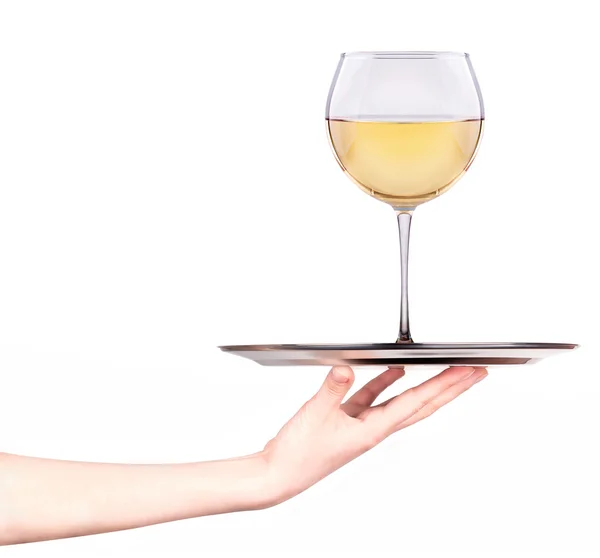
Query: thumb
(335, 387)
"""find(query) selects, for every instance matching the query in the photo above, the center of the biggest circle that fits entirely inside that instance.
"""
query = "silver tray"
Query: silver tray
(397, 354)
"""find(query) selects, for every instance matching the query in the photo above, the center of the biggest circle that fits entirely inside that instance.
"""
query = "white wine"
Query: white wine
(405, 163)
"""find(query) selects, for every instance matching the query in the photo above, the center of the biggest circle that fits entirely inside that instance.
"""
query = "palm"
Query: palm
(326, 433)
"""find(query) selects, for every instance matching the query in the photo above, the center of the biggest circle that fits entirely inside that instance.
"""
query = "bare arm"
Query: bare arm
(44, 499)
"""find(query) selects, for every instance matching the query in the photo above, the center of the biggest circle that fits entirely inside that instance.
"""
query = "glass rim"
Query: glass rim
(405, 54)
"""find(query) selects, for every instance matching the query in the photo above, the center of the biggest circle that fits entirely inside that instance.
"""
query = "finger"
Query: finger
(335, 387)
(390, 414)
(367, 395)
(446, 396)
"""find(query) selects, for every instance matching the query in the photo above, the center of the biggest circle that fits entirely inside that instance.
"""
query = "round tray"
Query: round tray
(397, 354)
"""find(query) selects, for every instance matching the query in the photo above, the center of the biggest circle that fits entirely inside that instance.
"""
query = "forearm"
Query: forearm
(45, 499)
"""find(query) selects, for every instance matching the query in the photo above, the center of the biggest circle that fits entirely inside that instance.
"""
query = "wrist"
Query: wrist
(255, 481)
(279, 484)
(268, 489)
(244, 483)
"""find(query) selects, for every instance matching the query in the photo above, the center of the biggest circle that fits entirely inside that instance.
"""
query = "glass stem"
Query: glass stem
(404, 220)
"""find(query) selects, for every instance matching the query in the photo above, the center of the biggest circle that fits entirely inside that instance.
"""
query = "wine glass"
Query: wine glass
(404, 126)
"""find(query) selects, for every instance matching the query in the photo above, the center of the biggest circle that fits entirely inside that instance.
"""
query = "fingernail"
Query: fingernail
(468, 372)
(338, 375)
(481, 376)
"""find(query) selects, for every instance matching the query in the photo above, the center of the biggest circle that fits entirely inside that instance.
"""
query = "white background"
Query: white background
(166, 186)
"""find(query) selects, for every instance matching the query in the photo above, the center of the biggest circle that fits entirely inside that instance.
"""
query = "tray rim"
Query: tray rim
(397, 346)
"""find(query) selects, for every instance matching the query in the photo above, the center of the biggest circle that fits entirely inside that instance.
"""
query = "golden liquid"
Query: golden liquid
(405, 163)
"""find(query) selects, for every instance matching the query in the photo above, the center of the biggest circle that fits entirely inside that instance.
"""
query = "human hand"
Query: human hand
(44, 499)
(326, 433)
